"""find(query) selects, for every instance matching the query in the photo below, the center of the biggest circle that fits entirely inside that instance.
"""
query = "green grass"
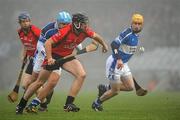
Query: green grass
(125, 106)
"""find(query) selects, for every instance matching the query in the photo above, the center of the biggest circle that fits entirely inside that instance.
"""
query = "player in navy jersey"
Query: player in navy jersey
(117, 71)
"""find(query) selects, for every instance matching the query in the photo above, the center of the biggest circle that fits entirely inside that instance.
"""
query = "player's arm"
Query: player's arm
(48, 49)
(89, 48)
(101, 41)
(36, 30)
(115, 46)
(92, 47)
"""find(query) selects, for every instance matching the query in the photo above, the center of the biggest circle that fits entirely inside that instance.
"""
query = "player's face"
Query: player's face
(84, 26)
(25, 23)
(137, 27)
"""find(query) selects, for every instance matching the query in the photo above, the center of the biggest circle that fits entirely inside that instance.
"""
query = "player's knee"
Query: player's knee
(82, 75)
(39, 82)
(115, 90)
(25, 87)
(52, 83)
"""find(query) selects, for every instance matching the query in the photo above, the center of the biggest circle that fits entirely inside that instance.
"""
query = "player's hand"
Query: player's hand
(51, 61)
(120, 64)
(104, 48)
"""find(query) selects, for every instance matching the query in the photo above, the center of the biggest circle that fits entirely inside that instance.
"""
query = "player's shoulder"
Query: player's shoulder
(66, 29)
(126, 32)
(34, 27)
(88, 29)
(50, 25)
(19, 30)
(47, 27)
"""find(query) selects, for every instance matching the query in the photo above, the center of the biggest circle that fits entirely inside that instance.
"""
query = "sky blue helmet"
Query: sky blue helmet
(64, 17)
(23, 16)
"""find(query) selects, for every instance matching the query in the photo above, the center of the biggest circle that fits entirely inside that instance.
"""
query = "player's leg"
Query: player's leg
(115, 89)
(43, 76)
(27, 77)
(44, 105)
(102, 88)
(46, 92)
(77, 70)
(114, 75)
(54, 77)
(38, 61)
(127, 85)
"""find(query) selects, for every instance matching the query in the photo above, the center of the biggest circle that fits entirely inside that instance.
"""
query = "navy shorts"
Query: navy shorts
(29, 68)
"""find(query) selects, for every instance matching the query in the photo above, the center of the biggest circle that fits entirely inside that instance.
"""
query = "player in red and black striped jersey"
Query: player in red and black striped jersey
(29, 35)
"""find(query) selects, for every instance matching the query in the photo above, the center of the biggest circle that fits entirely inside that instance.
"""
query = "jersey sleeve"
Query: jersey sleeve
(36, 30)
(89, 32)
(19, 32)
(115, 44)
(59, 35)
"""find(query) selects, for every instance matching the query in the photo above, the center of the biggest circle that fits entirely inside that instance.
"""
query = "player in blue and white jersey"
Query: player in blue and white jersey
(117, 71)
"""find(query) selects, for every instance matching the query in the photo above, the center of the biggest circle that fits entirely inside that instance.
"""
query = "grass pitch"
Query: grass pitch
(125, 106)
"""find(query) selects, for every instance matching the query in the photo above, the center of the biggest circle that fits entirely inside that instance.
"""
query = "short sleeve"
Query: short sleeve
(89, 32)
(36, 30)
(58, 36)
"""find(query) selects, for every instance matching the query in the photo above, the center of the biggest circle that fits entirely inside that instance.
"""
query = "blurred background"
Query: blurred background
(157, 69)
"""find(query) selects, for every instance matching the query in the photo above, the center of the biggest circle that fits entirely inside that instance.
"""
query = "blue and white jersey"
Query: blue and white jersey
(48, 31)
(126, 43)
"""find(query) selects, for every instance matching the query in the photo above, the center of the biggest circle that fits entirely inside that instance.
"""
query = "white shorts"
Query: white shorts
(39, 58)
(114, 74)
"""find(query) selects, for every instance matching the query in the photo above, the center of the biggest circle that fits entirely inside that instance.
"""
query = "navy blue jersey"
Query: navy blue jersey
(126, 43)
(49, 30)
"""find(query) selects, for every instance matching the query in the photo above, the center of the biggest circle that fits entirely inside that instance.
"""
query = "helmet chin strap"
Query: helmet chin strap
(77, 26)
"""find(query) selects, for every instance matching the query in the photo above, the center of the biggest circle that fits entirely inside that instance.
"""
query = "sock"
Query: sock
(43, 105)
(98, 101)
(137, 87)
(108, 87)
(22, 103)
(48, 100)
(35, 102)
(69, 100)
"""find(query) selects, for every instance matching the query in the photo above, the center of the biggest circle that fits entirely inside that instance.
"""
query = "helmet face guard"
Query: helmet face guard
(79, 19)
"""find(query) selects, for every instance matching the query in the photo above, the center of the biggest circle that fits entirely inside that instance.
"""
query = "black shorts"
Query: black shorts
(57, 65)
(29, 67)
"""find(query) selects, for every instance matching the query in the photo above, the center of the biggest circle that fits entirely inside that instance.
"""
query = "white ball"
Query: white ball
(141, 49)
